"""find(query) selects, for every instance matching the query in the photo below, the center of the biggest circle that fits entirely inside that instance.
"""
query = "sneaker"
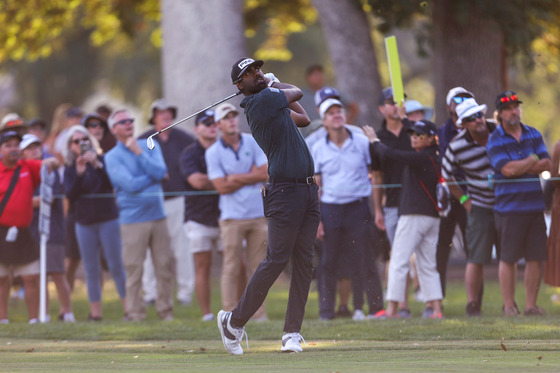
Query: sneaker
(68, 317)
(94, 318)
(428, 312)
(534, 311)
(511, 311)
(208, 317)
(358, 315)
(343, 311)
(4, 321)
(33, 321)
(231, 336)
(379, 315)
(473, 309)
(404, 313)
(436, 315)
(291, 342)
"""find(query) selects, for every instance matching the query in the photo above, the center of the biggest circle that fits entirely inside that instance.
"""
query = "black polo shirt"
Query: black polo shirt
(392, 169)
(202, 208)
(276, 133)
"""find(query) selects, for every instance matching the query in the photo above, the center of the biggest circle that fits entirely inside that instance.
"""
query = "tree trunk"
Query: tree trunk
(202, 40)
(468, 53)
(351, 50)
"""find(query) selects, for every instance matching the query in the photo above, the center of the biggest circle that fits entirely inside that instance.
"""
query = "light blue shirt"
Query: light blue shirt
(344, 171)
(137, 182)
(222, 160)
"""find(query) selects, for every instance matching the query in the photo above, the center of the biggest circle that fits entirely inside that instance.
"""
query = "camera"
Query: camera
(84, 147)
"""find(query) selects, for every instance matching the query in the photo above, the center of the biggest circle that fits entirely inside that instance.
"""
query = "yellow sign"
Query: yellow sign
(394, 69)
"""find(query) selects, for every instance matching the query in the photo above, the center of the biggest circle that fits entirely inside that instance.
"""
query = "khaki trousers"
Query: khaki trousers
(255, 232)
(136, 239)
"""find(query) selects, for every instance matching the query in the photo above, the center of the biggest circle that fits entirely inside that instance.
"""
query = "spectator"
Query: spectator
(517, 152)
(552, 266)
(237, 167)
(37, 127)
(136, 175)
(31, 148)
(457, 215)
(389, 171)
(12, 122)
(415, 111)
(201, 210)
(19, 253)
(467, 151)
(104, 111)
(342, 162)
(72, 117)
(172, 144)
(418, 222)
(97, 225)
(98, 127)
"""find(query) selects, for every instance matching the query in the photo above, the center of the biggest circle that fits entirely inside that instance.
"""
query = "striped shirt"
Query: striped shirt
(523, 195)
(463, 153)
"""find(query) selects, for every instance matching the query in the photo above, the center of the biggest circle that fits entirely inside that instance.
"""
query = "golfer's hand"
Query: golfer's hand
(369, 132)
(269, 77)
(133, 146)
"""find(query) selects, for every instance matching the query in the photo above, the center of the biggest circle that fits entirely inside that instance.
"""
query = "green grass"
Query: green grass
(188, 344)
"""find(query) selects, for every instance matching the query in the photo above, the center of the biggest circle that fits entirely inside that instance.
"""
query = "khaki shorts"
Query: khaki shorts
(19, 270)
(202, 238)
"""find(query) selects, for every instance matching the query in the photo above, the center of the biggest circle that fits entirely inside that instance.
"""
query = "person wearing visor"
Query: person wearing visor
(518, 155)
(418, 224)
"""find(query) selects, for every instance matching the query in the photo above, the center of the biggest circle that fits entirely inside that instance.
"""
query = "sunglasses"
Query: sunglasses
(509, 98)
(207, 122)
(459, 99)
(420, 136)
(125, 121)
(78, 141)
(390, 103)
(93, 124)
(473, 117)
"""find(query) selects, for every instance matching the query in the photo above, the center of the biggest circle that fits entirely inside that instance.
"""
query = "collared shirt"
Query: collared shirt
(201, 208)
(19, 209)
(321, 132)
(466, 154)
(137, 182)
(176, 142)
(268, 115)
(222, 160)
(523, 196)
(392, 168)
(344, 171)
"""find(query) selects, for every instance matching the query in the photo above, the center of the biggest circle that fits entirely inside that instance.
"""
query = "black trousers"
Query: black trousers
(293, 218)
(457, 215)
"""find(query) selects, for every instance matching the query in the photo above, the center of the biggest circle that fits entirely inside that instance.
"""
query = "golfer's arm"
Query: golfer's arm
(292, 92)
(298, 114)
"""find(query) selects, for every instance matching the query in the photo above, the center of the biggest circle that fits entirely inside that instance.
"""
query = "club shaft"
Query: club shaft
(198, 112)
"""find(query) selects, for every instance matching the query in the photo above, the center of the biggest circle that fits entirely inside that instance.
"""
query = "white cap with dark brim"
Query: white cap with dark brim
(326, 105)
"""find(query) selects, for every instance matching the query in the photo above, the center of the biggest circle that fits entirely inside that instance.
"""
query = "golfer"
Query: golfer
(290, 200)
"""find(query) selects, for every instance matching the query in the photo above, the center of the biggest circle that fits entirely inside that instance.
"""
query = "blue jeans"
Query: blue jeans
(107, 236)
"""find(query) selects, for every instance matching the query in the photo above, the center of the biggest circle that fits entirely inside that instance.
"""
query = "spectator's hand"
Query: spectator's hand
(467, 205)
(81, 164)
(369, 132)
(90, 157)
(133, 146)
(320, 231)
(380, 222)
(52, 163)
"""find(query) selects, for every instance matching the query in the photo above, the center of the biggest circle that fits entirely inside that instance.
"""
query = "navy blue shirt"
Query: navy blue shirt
(524, 196)
(171, 149)
(268, 115)
(202, 208)
(90, 209)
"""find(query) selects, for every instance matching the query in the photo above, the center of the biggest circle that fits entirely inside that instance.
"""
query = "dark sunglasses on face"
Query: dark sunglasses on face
(509, 98)
(459, 99)
(207, 123)
(420, 136)
(93, 124)
(78, 141)
(473, 117)
(125, 121)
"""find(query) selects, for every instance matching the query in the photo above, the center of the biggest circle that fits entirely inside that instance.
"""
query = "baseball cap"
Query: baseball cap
(223, 110)
(324, 93)
(161, 104)
(241, 65)
(326, 105)
(27, 140)
(4, 137)
(386, 94)
(455, 92)
(37, 122)
(506, 98)
(467, 108)
(12, 121)
(74, 112)
(423, 127)
(93, 116)
(206, 116)
(413, 105)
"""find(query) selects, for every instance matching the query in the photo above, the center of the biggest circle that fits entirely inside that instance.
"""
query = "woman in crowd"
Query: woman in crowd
(87, 186)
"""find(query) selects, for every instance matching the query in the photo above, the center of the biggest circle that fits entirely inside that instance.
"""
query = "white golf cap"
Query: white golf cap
(326, 105)
(27, 140)
(223, 110)
(413, 105)
(467, 108)
(454, 92)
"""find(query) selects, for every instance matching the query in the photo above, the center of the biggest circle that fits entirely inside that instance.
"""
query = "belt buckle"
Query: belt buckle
(310, 180)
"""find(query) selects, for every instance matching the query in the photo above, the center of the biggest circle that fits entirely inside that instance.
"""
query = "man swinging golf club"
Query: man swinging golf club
(290, 200)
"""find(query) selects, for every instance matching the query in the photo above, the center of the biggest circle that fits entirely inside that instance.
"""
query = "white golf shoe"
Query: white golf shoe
(291, 342)
(231, 336)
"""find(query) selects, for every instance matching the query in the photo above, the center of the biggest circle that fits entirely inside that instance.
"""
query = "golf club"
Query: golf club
(150, 141)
